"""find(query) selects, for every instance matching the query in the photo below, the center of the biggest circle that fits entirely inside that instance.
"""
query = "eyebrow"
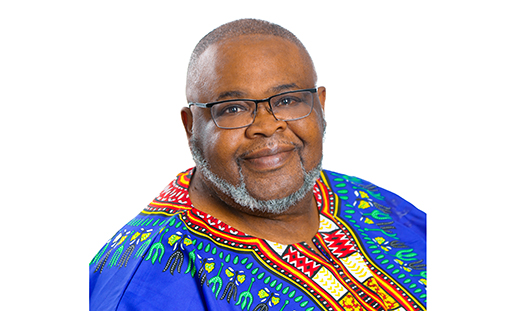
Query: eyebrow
(283, 87)
(239, 94)
(230, 94)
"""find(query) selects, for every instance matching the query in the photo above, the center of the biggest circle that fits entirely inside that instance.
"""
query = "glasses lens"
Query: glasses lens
(233, 114)
(292, 106)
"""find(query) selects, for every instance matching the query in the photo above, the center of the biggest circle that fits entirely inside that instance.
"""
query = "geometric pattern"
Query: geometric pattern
(357, 267)
(277, 247)
(354, 287)
(326, 225)
(338, 243)
(329, 283)
(307, 266)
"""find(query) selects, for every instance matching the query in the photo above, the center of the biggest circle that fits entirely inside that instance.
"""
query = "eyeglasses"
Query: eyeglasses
(238, 113)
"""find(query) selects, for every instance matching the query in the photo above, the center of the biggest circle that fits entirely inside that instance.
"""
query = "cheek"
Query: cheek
(220, 149)
(311, 133)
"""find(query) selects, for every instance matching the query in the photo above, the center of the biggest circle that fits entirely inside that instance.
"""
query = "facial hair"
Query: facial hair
(240, 195)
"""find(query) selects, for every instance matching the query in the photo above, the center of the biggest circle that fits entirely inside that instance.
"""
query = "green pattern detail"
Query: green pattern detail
(376, 214)
(292, 294)
(392, 235)
(244, 260)
(192, 263)
(286, 302)
(157, 248)
(227, 258)
(118, 252)
(254, 272)
(260, 276)
(246, 295)
(267, 280)
(249, 266)
(272, 284)
(236, 260)
(99, 254)
(406, 255)
(304, 303)
(216, 280)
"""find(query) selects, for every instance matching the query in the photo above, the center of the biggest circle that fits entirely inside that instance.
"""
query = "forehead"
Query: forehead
(251, 65)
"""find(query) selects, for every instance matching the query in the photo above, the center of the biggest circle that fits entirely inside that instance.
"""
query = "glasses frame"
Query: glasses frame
(256, 101)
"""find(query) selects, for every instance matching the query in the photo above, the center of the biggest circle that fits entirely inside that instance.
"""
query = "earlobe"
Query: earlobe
(187, 120)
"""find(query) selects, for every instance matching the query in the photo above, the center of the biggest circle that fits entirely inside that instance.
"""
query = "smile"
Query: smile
(270, 158)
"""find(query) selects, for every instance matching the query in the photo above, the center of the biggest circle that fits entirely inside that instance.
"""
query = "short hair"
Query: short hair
(247, 26)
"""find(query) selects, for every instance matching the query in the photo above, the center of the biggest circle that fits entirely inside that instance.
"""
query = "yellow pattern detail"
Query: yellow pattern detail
(262, 294)
(135, 236)
(325, 224)
(356, 266)
(350, 303)
(389, 302)
(329, 283)
(364, 204)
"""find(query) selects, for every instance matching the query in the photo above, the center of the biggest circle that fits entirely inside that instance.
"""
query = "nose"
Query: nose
(265, 123)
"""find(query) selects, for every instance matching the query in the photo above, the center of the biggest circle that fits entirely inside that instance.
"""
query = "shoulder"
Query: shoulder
(363, 194)
(127, 260)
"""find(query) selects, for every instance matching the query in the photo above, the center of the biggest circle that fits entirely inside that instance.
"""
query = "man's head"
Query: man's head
(271, 164)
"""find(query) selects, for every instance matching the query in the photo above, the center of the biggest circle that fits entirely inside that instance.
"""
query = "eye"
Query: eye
(231, 108)
(287, 101)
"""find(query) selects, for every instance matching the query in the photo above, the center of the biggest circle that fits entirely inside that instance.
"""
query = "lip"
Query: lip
(269, 158)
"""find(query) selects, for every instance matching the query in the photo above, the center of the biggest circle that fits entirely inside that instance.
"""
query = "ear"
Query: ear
(322, 97)
(187, 120)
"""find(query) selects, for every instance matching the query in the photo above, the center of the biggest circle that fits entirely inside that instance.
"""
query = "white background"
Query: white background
(90, 94)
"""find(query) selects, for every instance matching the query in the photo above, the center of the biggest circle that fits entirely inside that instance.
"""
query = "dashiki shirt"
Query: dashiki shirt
(173, 256)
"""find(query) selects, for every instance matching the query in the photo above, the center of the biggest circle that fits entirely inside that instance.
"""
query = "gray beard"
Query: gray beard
(240, 194)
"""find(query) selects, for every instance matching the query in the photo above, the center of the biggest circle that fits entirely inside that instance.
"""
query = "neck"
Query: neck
(298, 223)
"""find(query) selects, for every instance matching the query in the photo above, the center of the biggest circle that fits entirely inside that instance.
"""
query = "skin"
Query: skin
(270, 154)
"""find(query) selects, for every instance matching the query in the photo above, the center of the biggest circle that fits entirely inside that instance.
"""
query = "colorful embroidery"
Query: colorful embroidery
(368, 264)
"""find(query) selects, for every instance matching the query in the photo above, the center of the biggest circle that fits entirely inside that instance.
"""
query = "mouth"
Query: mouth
(269, 158)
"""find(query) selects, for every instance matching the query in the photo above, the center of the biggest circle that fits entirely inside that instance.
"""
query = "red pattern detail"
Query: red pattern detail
(216, 223)
(339, 244)
(301, 262)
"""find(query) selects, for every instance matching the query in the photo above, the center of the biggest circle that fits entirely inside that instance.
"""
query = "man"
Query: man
(257, 224)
